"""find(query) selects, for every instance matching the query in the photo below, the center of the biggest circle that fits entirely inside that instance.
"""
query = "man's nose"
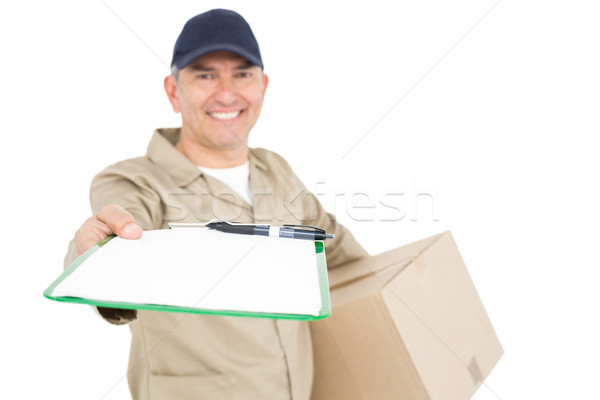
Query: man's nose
(225, 91)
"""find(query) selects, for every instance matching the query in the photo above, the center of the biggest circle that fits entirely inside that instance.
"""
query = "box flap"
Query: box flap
(395, 258)
(366, 285)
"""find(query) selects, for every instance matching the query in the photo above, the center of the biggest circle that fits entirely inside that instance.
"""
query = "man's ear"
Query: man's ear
(265, 84)
(171, 90)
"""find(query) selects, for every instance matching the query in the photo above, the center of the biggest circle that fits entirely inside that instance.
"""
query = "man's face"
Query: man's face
(220, 96)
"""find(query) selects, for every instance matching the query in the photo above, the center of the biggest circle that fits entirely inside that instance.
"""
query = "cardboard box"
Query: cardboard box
(406, 324)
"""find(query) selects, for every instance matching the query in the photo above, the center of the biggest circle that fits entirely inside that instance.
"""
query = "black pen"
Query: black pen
(288, 231)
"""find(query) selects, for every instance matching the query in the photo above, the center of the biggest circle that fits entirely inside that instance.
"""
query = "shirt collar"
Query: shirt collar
(162, 152)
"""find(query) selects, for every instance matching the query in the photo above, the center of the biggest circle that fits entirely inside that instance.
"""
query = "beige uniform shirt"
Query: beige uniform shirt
(191, 356)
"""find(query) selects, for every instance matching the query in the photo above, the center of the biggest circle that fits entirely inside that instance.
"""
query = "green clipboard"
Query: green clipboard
(322, 276)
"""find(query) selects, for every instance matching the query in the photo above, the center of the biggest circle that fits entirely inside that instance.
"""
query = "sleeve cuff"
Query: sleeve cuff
(117, 316)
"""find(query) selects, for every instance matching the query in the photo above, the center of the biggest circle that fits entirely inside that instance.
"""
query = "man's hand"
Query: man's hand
(112, 219)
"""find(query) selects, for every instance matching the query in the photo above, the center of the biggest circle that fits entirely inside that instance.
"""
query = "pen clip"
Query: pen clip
(232, 223)
(308, 228)
(204, 224)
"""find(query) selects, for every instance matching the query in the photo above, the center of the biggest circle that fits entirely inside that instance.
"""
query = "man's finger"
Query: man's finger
(90, 233)
(120, 222)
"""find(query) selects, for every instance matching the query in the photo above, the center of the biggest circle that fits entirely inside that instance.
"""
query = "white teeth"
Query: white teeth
(225, 115)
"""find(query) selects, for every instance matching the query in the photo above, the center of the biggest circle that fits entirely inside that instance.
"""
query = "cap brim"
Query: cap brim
(186, 59)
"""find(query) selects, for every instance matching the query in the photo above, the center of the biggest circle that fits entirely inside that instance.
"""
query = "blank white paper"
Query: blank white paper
(201, 268)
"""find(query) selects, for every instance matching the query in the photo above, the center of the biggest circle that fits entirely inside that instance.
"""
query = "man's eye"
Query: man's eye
(205, 76)
(244, 74)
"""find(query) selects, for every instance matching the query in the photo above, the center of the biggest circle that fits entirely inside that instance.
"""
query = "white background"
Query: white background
(496, 127)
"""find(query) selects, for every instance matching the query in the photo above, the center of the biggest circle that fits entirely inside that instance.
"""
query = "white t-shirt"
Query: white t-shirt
(237, 178)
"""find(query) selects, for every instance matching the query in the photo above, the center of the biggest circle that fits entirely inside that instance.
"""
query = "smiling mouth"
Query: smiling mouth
(225, 115)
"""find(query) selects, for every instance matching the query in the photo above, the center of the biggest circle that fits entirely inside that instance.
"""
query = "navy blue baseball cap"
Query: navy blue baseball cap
(212, 31)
